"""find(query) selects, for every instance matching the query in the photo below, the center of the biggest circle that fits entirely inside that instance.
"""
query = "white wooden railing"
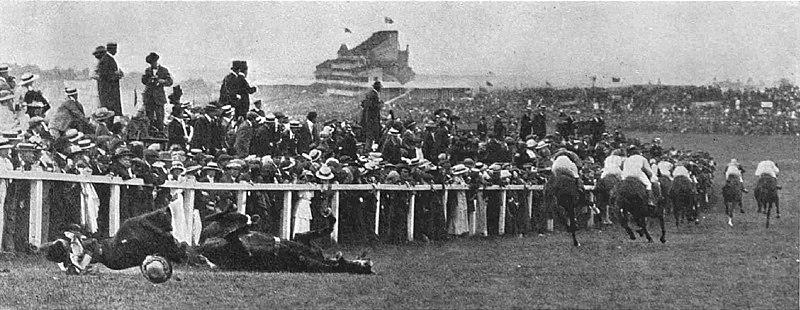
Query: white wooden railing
(37, 230)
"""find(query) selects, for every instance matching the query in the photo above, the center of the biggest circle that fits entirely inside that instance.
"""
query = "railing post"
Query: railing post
(3, 191)
(35, 215)
(241, 201)
(529, 209)
(377, 210)
(444, 202)
(286, 215)
(335, 212)
(113, 209)
(471, 217)
(188, 211)
(501, 223)
(481, 216)
(410, 217)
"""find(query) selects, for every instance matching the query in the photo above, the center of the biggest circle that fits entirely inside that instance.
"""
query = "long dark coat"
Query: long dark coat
(371, 116)
(539, 125)
(68, 114)
(153, 95)
(108, 84)
(232, 85)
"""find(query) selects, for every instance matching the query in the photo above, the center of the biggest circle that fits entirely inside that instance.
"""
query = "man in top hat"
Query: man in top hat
(525, 123)
(155, 78)
(539, 123)
(33, 98)
(6, 81)
(371, 114)
(108, 76)
(235, 89)
(70, 114)
(178, 131)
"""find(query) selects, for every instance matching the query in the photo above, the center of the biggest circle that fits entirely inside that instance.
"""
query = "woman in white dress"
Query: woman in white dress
(458, 222)
(302, 207)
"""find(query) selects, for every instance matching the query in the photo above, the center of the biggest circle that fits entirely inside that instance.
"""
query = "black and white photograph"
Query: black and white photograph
(399, 155)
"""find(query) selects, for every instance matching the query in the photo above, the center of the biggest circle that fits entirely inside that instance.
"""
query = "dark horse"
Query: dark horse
(666, 185)
(732, 196)
(604, 195)
(137, 238)
(766, 194)
(228, 242)
(566, 192)
(631, 197)
(683, 196)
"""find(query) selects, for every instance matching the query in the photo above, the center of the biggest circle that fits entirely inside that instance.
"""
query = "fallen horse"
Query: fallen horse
(226, 242)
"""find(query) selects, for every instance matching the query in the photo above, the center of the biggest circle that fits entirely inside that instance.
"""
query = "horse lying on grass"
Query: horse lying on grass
(227, 240)
(229, 243)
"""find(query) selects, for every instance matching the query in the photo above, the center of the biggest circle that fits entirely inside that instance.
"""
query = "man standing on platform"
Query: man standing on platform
(371, 114)
(235, 90)
(155, 78)
(108, 76)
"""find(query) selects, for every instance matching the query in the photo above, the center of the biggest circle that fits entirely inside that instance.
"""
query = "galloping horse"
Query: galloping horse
(631, 196)
(563, 191)
(766, 194)
(683, 196)
(732, 196)
(604, 195)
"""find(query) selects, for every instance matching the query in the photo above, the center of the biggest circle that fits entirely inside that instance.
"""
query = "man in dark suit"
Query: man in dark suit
(178, 132)
(155, 78)
(244, 135)
(204, 129)
(108, 76)
(539, 127)
(235, 89)
(525, 124)
(371, 114)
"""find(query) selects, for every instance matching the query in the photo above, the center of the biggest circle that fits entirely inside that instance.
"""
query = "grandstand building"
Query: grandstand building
(354, 70)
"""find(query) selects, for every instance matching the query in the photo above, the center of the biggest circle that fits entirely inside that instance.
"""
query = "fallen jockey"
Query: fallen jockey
(638, 167)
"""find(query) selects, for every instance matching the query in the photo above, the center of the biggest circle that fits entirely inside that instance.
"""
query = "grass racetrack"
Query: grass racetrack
(705, 266)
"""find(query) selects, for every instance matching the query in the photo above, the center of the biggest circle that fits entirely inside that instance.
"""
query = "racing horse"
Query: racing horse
(732, 196)
(631, 197)
(766, 194)
(229, 243)
(137, 238)
(604, 194)
(565, 192)
(683, 196)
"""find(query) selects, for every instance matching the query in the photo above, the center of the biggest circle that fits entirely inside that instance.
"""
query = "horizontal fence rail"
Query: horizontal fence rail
(476, 219)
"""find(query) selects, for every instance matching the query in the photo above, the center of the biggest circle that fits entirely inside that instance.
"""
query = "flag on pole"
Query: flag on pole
(388, 20)
(347, 30)
(615, 79)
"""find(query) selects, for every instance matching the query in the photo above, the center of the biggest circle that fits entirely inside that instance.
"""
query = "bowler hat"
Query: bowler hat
(152, 57)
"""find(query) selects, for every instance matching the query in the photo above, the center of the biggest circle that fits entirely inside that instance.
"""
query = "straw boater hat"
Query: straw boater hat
(459, 169)
(86, 144)
(313, 155)
(27, 78)
(6, 95)
(176, 165)
(295, 124)
(70, 91)
(235, 164)
(393, 131)
(324, 173)
(3, 68)
(102, 114)
(5, 144)
(73, 135)
(212, 166)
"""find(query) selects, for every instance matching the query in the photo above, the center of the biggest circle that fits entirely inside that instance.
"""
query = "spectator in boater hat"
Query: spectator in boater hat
(108, 76)
(155, 78)
(70, 114)
(98, 120)
(6, 81)
(178, 131)
(7, 99)
(33, 98)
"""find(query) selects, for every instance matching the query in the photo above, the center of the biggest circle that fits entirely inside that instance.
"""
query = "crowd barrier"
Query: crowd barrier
(37, 218)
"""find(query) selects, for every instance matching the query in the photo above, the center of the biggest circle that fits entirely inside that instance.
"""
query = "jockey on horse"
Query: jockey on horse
(735, 169)
(613, 164)
(566, 162)
(638, 167)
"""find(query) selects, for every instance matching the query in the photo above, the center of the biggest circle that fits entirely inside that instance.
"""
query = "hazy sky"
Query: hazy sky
(559, 42)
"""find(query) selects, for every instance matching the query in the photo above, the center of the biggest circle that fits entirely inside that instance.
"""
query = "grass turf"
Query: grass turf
(709, 265)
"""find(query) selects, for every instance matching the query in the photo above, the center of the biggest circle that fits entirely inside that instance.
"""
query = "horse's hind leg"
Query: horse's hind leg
(642, 222)
(624, 218)
(777, 208)
(768, 207)
(573, 227)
